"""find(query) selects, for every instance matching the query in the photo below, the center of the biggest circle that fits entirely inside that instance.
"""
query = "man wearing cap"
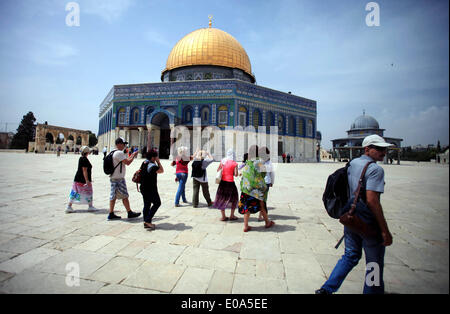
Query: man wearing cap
(374, 248)
(118, 182)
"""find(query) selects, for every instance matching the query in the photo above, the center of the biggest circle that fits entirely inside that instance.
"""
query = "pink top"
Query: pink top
(228, 171)
(182, 165)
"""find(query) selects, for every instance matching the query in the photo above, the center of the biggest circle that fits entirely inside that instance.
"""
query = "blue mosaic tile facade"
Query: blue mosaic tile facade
(182, 101)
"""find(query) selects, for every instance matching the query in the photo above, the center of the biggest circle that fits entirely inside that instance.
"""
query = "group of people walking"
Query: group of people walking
(257, 176)
(256, 172)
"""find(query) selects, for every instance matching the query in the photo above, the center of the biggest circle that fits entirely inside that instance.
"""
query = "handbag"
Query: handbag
(219, 176)
(353, 221)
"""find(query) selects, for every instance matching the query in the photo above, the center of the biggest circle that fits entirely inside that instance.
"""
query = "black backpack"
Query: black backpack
(108, 165)
(336, 192)
(197, 170)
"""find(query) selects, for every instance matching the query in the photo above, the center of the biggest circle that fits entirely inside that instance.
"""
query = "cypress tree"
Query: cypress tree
(25, 132)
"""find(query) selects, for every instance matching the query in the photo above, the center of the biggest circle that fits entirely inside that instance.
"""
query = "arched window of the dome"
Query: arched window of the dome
(198, 76)
(223, 116)
(187, 114)
(256, 119)
(310, 129)
(204, 114)
(301, 127)
(180, 77)
(269, 121)
(121, 113)
(291, 126)
(134, 118)
(242, 118)
(281, 129)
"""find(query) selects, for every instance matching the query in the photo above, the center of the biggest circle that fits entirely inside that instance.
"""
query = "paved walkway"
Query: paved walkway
(191, 251)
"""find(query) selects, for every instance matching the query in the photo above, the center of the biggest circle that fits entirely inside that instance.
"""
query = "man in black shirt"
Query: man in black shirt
(149, 189)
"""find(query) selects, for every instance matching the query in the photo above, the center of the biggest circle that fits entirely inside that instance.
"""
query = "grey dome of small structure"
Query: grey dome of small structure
(365, 122)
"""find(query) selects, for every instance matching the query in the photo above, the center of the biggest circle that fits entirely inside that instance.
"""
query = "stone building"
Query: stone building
(351, 146)
(208, 83)
(45, 131)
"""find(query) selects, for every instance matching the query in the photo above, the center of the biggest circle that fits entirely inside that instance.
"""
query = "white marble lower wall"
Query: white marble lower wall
(302, 149)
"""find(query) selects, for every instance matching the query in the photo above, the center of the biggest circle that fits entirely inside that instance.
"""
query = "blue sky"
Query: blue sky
(322, 50)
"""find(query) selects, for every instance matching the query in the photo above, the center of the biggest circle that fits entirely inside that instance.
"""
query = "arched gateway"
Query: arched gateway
(43, 129)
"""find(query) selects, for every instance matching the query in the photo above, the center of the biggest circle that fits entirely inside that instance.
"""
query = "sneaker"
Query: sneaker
(113, 216)
(322, 291)
(69, 209)
(92, 209)
(132, 214)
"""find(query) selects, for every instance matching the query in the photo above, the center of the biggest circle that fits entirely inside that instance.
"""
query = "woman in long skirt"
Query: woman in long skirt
(82, 192)
(227, 193)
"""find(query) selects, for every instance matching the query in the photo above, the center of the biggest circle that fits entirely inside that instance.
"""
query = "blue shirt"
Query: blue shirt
(374, 177)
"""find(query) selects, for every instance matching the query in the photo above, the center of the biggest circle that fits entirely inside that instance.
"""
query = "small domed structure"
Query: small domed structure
(365, 122)
(361, 127)
(365, 125)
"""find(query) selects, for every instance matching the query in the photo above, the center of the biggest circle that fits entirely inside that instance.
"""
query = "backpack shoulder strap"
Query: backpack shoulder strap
(358, 189)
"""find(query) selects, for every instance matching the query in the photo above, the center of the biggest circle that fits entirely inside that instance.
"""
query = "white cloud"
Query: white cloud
(157, 38)
(109, 10)
(425, 126)
(50, 53)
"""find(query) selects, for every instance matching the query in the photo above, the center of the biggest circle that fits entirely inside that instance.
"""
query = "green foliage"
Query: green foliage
(92, 140)
(410, 155)
(25, 132)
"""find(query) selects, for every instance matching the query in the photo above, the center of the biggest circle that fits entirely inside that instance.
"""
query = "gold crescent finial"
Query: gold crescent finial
(210, 22)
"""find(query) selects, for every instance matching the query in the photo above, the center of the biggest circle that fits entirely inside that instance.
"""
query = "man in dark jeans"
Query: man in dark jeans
(374, 150)
(149, 189)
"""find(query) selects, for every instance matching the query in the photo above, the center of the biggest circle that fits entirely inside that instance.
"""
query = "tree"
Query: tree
(438, 147)
(92, 139)
(25, 132)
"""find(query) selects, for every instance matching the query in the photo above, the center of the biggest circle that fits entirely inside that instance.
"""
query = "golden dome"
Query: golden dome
(208, 46)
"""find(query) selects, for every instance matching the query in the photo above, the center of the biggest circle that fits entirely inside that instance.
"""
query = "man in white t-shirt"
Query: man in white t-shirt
(118, 182)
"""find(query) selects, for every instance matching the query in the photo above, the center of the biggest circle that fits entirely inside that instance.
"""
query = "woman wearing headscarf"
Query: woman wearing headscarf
(181, 162)
(227, 193)
(253, 189)
(82, 192)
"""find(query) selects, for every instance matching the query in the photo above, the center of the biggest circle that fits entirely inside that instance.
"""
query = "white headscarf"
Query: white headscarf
(231, 155)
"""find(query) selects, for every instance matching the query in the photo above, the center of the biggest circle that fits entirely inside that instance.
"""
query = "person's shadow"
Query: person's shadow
(169, 226)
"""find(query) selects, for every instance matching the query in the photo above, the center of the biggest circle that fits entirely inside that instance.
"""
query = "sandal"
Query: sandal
(149, 226)
(224, 219)
(271, 223)
(248, 229)
(234, 218)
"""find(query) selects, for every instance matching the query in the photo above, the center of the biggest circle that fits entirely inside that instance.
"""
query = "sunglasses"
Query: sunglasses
(378, 148)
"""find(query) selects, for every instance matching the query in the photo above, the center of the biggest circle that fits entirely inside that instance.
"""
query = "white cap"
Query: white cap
(375, 140)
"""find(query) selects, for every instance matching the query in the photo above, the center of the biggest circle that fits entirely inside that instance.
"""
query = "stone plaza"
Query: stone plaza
(192, 251)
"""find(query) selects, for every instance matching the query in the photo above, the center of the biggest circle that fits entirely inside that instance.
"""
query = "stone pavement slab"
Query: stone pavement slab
(155, 276)
(27, 260)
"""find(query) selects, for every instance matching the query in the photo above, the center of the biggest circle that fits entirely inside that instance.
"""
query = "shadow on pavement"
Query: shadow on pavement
(168, 226)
